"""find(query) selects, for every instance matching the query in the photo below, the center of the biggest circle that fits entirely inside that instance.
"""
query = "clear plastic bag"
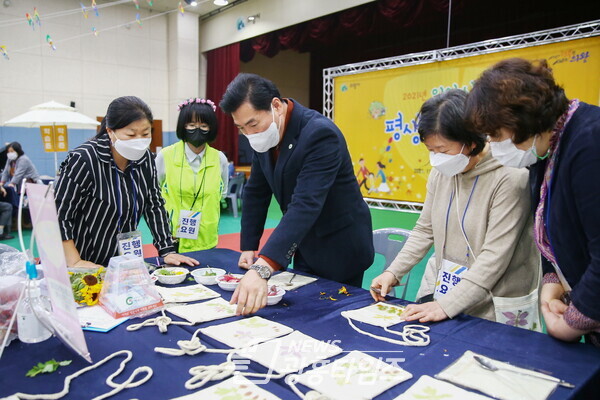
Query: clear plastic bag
(12, 280)
(128, 290)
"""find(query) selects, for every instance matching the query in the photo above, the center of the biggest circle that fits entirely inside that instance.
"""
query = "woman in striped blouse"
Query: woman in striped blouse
(107, 184)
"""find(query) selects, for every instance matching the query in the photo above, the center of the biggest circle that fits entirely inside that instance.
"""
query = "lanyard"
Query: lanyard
(462, 220)
(202, 184)
(119, 202)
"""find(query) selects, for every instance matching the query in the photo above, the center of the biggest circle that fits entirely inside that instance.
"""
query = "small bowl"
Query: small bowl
(273, 299)
(229, 286)
(200, 275)
(180, 274)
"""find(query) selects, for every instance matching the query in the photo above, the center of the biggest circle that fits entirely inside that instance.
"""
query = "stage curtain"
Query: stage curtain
(223, 64)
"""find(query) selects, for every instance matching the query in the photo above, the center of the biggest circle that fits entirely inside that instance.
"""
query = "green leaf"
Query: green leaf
(46, 367)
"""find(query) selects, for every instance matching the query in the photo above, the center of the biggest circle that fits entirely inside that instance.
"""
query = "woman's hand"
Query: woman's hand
(551, 291)
(178, 259)
(555, 323)
(426, 312)
(381, 285)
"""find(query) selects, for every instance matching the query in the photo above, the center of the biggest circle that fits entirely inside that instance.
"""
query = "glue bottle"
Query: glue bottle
(30, 328)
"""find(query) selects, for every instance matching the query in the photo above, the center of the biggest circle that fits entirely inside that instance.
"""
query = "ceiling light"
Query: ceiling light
(253, 18)
(220, 2)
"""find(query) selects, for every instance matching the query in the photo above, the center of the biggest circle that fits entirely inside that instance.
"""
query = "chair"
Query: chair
(388, 246)
(234, 191)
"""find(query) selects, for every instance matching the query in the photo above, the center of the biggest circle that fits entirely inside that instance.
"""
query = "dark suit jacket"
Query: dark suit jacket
(324, 214)
(574, 212)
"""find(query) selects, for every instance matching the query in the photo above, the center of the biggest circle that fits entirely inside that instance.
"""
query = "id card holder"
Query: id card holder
(130, 243)
(189, 224)
(448, 277)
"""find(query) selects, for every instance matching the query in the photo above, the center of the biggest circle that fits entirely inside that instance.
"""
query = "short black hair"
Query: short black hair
(252, 88)
(16, 146)
(444, 115)
(122, 111)
(197, 112)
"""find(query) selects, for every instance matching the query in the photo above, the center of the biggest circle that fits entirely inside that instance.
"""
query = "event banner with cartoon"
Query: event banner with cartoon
(376, 110)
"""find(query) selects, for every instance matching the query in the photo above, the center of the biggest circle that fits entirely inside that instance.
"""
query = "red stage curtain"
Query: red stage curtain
(223, 64)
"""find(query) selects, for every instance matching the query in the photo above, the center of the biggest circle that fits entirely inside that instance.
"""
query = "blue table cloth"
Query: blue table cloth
(306, 310)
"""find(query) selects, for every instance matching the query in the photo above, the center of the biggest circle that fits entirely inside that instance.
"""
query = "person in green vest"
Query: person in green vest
(193, 177)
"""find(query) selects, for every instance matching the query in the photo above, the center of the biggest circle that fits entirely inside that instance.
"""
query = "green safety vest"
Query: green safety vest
(208, 185)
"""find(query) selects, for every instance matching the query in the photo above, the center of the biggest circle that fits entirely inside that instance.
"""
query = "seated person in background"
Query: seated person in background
(476, 213)
(18, 167)
(193, 177)
(107, 184)
(6, 211)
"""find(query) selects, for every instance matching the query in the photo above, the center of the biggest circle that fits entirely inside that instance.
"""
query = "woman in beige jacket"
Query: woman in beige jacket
(477, 215)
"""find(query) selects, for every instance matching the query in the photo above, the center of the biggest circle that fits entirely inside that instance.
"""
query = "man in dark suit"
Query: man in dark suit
(301, 157)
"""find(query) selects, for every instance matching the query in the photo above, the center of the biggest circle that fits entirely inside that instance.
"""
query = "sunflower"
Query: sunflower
(86, 287)
(90, 294)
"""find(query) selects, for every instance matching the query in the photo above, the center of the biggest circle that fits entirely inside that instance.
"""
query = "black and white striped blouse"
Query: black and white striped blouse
(92, 192)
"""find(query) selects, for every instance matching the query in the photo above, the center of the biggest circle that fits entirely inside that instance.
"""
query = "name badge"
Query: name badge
(189, 224)
(130, 243)
(448, 277)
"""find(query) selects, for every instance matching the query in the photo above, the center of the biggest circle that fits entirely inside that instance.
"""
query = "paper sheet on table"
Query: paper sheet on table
(284, 277)
(430, 388)
(95, 319)
(505, 385)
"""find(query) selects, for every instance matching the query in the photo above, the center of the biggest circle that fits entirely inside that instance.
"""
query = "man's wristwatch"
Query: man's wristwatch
(263, 271)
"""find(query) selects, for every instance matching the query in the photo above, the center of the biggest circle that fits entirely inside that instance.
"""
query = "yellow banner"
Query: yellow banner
(376, 110)
(54, 138)
(61, 141)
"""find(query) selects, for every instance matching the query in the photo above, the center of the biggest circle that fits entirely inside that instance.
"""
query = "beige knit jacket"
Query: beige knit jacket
(499, 226)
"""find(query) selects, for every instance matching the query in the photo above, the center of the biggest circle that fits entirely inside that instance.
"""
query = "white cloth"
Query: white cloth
(195, 161)
(203, 312)
(430, 388)
(282, 280)
(235, 387)
(501, 384)
(354, 376)
(379, 314)
(186, 293)
(246, 332)
(290, 353)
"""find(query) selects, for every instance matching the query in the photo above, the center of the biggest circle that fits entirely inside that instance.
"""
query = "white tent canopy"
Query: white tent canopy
(52, 113)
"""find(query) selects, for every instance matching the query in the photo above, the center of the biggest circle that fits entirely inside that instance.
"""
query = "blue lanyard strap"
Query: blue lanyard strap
(462, 222)
(119, 198)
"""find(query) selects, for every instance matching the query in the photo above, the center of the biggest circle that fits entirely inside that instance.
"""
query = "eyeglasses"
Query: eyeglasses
(194, 125)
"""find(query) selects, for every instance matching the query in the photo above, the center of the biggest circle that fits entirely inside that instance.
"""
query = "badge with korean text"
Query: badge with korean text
(130, 243)
(189, 224)
(448, 277)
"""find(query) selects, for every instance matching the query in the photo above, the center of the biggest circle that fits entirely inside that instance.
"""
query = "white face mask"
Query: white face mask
(510, 155)
(264, 141)
(132, 149)
(449, 165)
(12, 155)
